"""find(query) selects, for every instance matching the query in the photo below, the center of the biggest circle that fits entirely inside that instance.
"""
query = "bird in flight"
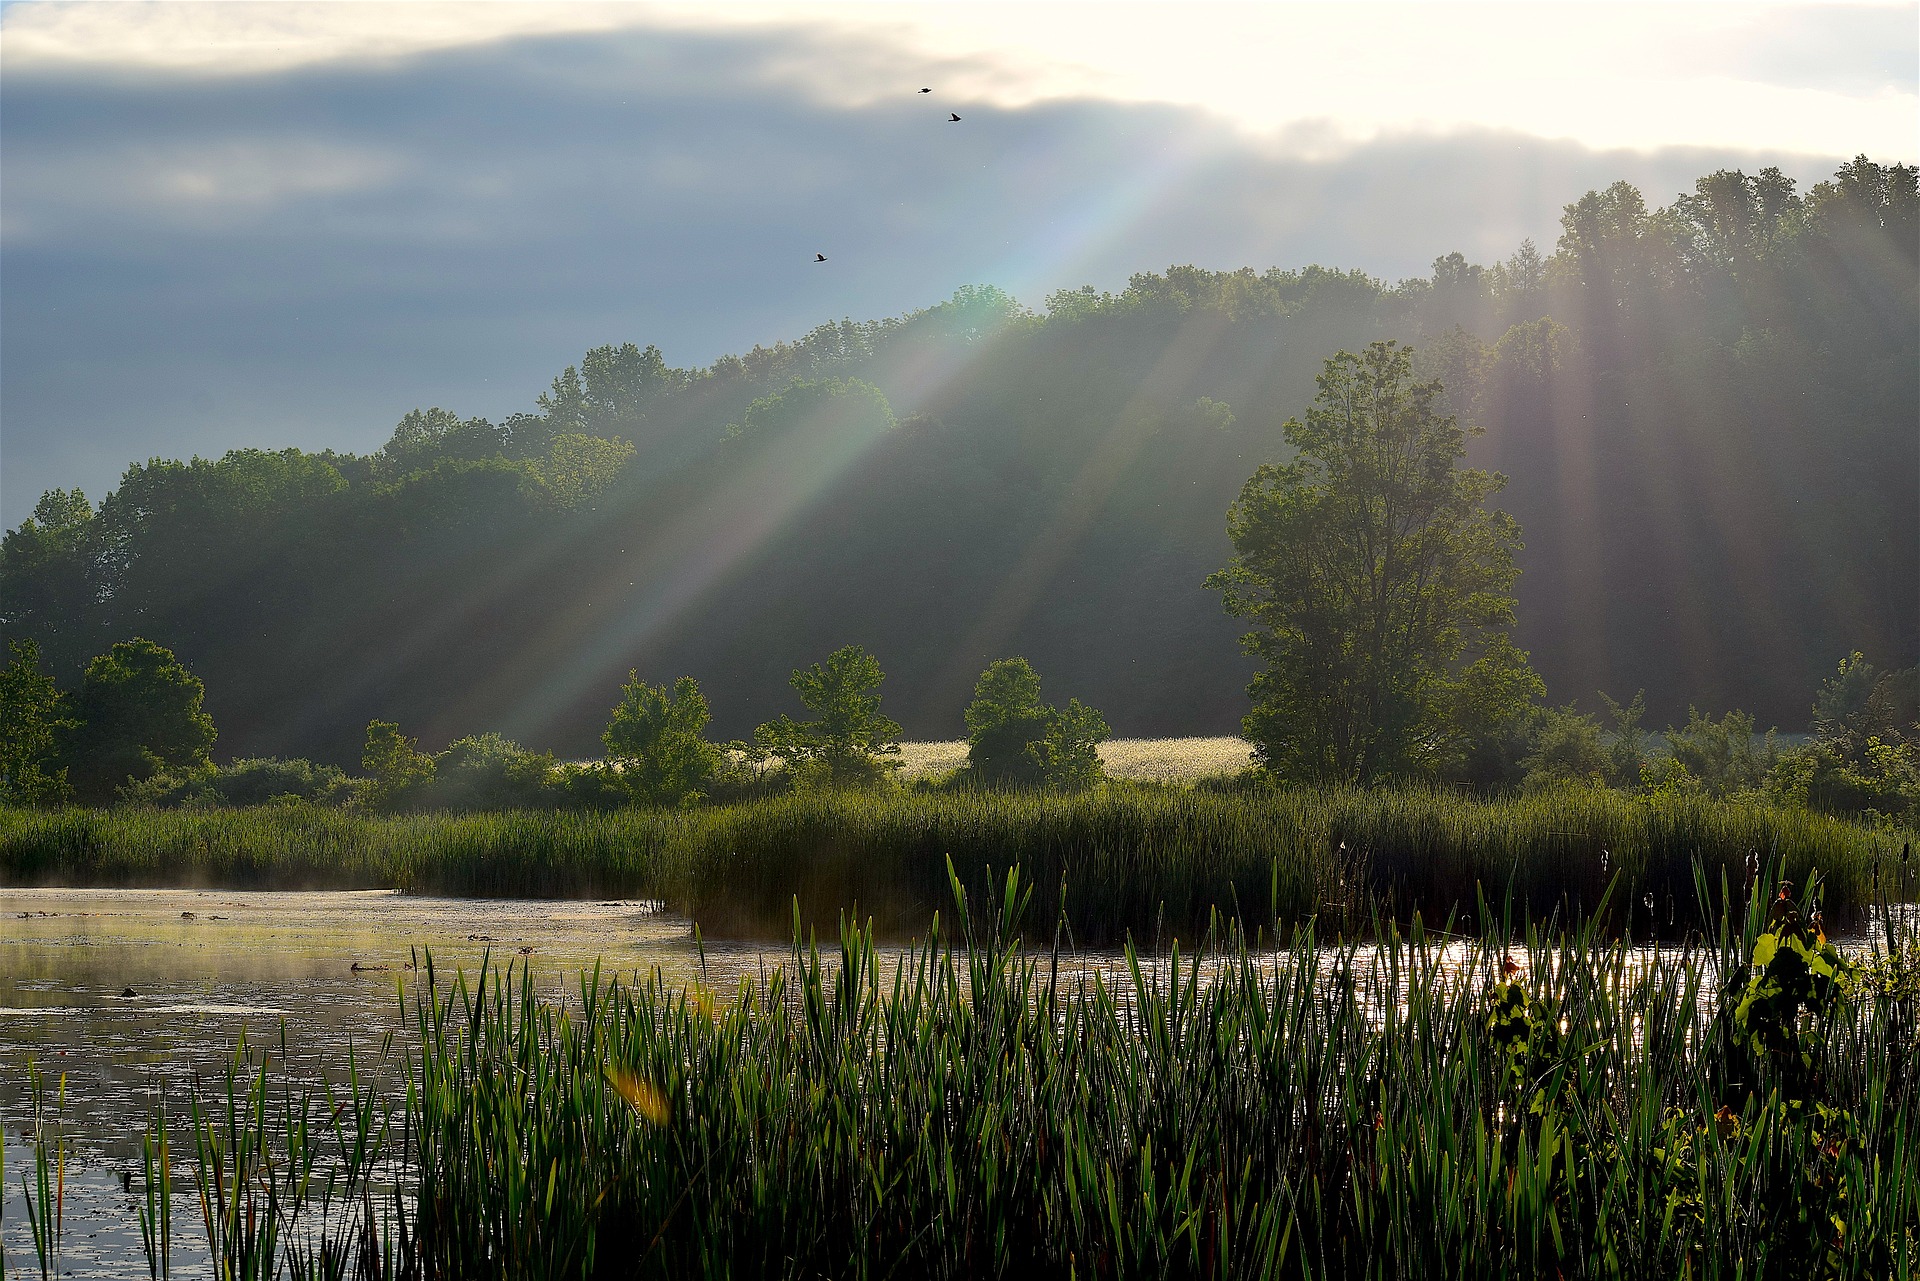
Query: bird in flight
(926, 91)
(819, 257)
(952, 119)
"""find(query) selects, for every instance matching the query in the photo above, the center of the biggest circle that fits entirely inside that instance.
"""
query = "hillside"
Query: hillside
(1707, 412)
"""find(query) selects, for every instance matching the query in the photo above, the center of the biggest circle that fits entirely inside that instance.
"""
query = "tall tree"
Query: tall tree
(1378, 582)
(1006, 714)
(51, 574)
(30, 724)
(137, 712)
(849, 738)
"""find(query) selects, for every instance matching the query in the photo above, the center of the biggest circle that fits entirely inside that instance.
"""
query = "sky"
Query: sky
(237, 224)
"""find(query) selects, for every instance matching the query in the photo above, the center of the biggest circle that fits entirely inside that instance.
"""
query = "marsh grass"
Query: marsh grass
(1151, 863)
(1399, 1110)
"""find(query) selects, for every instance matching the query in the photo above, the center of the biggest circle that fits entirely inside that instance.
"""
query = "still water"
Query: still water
(127, 996)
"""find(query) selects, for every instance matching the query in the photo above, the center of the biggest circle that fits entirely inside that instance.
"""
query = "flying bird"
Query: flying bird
(819, 257)
(953, 119)
(926, 91)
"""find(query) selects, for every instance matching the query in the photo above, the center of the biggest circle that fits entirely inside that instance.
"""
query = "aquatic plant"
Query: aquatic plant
(1150, 862)
(1530, 1104)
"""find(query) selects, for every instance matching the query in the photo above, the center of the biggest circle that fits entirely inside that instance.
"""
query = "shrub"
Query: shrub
(488, 772)
(1725, 755)
(249, 781)
(1567, 747)
(1013, 737)
(657, 744)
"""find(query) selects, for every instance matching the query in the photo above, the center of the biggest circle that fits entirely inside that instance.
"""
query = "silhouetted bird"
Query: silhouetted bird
(953, 118)
(926, 91)
(819, 257)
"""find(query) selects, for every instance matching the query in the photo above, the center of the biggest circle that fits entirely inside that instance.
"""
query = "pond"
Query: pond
(130, 995)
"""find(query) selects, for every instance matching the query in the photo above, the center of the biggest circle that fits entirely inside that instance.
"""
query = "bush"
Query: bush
(657, 741)
(488, 772)
(1724, 755)
(1567, 748)
(1013, 737)
(249, 781)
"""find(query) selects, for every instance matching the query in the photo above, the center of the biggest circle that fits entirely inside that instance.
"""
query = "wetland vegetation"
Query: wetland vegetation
(1140, 861)
(1529, 1104)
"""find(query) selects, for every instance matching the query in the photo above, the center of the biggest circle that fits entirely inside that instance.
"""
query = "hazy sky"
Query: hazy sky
(239, 224)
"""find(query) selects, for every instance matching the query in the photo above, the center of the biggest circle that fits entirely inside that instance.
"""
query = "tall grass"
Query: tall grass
(1399, 1110)
(1149, 863)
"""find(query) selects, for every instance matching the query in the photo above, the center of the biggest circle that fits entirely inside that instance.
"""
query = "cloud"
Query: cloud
(197, 262)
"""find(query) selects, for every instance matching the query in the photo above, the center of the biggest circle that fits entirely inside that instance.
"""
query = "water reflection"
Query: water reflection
(132, 995)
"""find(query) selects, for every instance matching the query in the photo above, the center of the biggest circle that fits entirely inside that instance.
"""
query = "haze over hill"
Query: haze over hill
(230, 225)
(1706, 411)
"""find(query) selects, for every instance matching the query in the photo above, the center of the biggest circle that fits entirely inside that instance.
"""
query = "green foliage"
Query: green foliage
(31, 721)
(1013, 737)
(1006, 715)
(50, 578)
(1726, 755)
(1378, 582)
(396, 767)
(249, 781)
(1068, 756)
(1795, 982)
(136, 713)
(849, 741)
(1627, 741)
(488, 772)
(1866, 755)
(969, 1108)
(1567, 748)
(657, 741)
(849, 409)
(577, 469)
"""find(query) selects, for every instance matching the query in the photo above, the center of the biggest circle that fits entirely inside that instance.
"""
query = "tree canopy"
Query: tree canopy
(657, 741)
(849, 739)
(1705, 408)
(136, 713)
(1379, 584)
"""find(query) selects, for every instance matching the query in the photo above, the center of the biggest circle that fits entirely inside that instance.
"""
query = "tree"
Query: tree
(1068, 754)
(1013, 737)
(487, 772)
(1378, 583)
(137, 712)
(395, 763)
(850, 738)
(657, 741)
(50, 580)
(30, 726)
(1006, 715)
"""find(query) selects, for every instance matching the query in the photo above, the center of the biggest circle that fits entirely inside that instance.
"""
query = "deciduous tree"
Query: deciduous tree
(1378, 582)
(137, 712)
(849, 738)
(657, 741)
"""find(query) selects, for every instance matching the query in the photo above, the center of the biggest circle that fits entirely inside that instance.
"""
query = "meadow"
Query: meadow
(1141, 861)
(1527, 1105)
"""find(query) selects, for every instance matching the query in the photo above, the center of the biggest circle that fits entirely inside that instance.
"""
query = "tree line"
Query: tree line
(135, 730)
(1705, 411)
(1378, 580)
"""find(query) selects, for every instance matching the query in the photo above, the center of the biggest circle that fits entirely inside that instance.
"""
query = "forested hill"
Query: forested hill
(1707, 411)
